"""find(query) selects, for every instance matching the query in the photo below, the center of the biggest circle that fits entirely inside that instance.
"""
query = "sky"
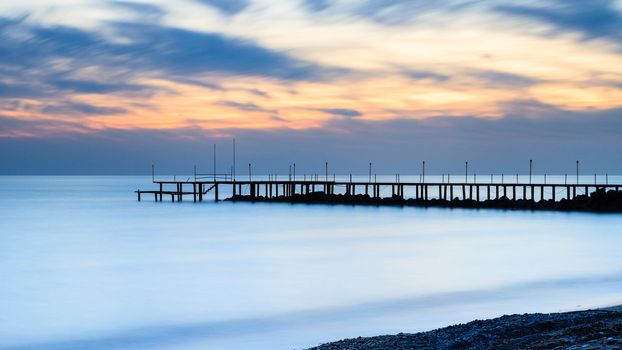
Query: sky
(111, 86)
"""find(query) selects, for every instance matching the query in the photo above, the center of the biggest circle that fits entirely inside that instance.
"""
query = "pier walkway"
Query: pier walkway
(200, 190)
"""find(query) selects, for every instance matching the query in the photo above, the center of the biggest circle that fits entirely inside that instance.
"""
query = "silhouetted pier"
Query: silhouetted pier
(200, 190)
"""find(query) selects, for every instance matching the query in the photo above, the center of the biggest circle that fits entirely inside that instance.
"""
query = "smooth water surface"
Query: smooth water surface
(83, 265)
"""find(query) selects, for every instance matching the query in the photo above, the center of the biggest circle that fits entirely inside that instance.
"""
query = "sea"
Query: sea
(84, 265)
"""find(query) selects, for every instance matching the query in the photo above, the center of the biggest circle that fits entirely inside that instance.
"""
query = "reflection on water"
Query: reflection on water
(99, 270)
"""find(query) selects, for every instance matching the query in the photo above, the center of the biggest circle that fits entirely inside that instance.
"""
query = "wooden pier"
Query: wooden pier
(200, 190)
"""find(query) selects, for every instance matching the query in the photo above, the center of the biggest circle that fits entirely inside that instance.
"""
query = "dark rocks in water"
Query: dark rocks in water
(598, 329)
(599, 201)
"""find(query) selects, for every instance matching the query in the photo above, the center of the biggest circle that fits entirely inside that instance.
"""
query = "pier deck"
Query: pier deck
(202, 189)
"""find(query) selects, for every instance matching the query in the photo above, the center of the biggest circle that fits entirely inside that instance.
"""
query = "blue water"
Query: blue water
(83, 265)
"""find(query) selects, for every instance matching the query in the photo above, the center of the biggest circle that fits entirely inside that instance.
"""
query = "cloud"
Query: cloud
(145, 11)
(316, 5)
(497, 78)
(425, 75)
(593, 19)
(93, 87)
(340, 112)
(73, 109)
(397, 12)
(249, 107)
(554, 140)
(227, 7)
(49, 61)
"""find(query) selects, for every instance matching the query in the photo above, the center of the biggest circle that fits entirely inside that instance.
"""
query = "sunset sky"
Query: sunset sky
(109, 87)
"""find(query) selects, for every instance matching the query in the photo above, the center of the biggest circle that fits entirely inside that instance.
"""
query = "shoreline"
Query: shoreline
(589, 329)
(599, 201)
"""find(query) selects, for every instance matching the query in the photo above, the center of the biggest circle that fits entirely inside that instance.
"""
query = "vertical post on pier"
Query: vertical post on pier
(513, 192)
(250, 177)
(233, 175)
(553, 193)
(541, 192)
(326, 171)
(160, 192)
(477, 191)
(567, 192)
(216, 192)
(152, 173)
(423, 172)
(530, 165)
(138, 192)
(214, 162)
(194, 191)
(577, 172)
(497, 192)
(466, 172)
(488, 192)
(463, 192)
(532, 193)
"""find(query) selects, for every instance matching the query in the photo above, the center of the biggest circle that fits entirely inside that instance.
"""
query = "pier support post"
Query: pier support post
(553, 193)
(194, 192)
(216, 192)
(138, 192)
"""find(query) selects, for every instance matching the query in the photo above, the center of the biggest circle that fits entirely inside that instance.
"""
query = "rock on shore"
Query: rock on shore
(586, 330)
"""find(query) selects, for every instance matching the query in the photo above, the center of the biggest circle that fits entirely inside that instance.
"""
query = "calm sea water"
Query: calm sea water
(83, 265)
